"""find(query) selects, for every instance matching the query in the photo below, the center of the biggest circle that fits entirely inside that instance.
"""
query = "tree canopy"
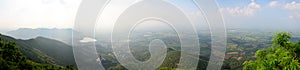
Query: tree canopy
(282, 55)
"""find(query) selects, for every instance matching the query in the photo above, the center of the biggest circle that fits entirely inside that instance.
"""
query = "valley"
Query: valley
(241, 46)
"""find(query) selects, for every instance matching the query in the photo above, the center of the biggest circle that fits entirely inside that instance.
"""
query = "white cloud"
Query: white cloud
(253, 5)
(292, 6)
(273, 4)
(87, 39)
(291, 17)
(248, 10)
(294, 16)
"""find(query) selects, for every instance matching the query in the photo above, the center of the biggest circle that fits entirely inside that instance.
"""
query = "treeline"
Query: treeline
(12, 59)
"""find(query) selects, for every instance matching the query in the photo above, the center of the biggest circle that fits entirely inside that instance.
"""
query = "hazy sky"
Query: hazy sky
(37, 13)
(279, 14)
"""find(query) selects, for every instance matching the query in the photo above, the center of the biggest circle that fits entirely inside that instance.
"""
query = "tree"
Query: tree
(282, 55)
(10, 57)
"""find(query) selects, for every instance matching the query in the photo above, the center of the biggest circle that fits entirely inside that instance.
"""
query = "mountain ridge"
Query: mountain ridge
(63, 35)
(44, 50)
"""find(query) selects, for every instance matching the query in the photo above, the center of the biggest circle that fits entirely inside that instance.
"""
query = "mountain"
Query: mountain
(12, 59)
(44, 50)
(64, 35)
(42, 45)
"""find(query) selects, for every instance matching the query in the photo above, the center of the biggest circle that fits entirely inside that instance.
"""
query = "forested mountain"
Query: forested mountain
(44, 50)
(12, 59)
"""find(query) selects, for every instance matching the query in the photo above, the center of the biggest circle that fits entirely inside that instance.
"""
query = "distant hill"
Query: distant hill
(64, 35)
(44, 50)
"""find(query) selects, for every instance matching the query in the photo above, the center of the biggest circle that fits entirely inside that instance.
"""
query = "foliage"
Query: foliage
(282, 55)
(12, 59)
(165, 68)
(41, 50)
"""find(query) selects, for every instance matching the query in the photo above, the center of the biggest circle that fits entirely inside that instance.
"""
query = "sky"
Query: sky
(37, 13)
(278, 14)
(262, 14)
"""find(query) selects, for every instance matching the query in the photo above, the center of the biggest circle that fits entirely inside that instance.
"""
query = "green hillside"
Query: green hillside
(43, 50)
(12, 59)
